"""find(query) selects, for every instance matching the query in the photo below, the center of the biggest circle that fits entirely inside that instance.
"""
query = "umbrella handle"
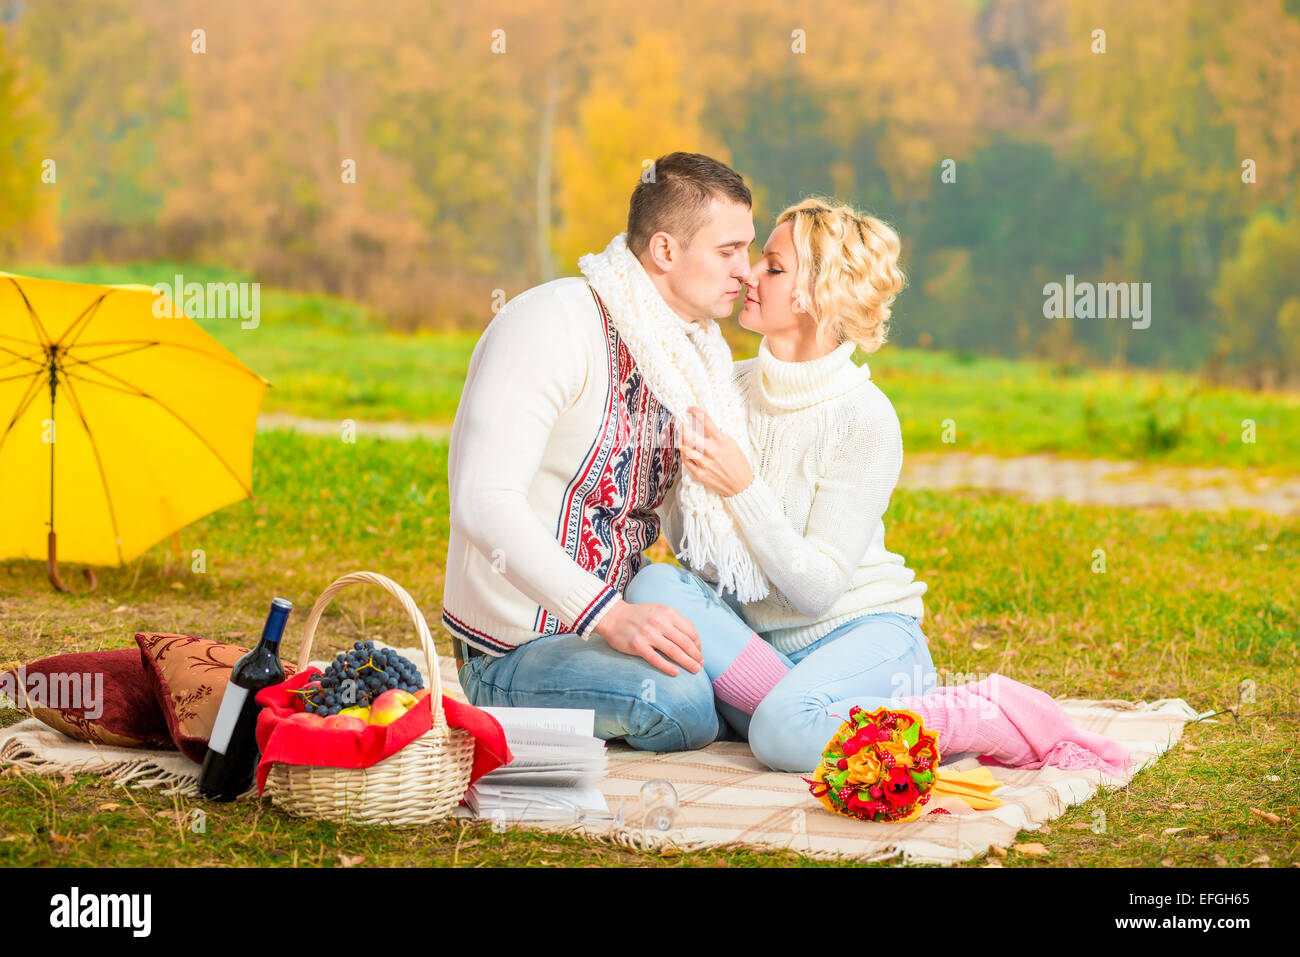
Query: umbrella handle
(52, 565)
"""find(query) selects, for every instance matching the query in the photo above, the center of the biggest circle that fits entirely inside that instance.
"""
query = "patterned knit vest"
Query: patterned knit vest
(607, 514)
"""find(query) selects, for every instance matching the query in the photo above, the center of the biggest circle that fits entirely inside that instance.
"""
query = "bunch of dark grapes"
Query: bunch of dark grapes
(371, 670)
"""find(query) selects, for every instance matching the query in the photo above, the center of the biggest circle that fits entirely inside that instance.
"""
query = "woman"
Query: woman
(841, 624)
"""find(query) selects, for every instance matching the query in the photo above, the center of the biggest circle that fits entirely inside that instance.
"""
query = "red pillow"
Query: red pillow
(103, 697)
(189, 675)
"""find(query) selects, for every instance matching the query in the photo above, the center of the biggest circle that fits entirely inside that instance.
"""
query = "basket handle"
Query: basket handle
(398, 592)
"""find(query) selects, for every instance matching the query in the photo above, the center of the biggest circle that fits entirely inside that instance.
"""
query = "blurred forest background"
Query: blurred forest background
(491, 160)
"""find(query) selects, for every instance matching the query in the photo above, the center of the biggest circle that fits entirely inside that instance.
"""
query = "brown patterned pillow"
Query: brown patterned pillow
(189, 676)
(103, 697)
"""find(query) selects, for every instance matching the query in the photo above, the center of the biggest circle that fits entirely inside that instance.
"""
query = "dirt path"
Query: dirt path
(1104, 481)
(384, 430)
(1030, 477)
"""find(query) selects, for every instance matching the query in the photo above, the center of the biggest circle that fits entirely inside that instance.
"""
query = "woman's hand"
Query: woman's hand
(713, 457)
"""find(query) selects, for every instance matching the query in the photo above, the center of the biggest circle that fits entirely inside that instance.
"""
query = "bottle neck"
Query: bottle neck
(273, 630)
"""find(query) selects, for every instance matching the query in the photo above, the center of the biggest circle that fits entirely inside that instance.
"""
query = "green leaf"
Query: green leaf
(912, 734)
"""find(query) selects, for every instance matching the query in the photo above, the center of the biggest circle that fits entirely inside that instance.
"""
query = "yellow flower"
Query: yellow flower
(865, 767)
(898, 749)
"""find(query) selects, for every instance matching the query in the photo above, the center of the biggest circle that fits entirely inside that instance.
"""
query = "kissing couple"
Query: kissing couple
(599, 409)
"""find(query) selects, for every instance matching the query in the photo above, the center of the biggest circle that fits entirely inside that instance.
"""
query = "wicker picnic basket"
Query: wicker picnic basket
(421, 783)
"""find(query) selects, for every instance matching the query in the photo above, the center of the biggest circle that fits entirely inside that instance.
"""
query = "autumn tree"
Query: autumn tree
(1160, 105)
(1258, 298)
(637, 108)
(106, 88)
(26, 223)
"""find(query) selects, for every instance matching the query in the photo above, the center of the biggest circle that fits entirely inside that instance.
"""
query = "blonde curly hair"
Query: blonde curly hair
(848, 273)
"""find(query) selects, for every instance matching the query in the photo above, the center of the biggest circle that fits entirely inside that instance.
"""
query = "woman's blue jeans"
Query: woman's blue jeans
(870, 661)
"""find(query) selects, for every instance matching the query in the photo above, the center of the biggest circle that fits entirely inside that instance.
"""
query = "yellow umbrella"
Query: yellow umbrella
(117, 427)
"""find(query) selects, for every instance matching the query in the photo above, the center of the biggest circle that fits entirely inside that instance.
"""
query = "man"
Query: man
(558, 460)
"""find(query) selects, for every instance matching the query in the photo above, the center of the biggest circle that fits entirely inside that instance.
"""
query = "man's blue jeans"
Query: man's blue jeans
(868, 661)
(632, 698)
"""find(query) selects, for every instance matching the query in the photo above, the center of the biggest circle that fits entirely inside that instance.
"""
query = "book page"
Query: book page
(580, 721)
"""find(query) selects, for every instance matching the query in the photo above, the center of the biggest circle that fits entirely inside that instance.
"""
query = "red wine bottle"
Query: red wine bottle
(231, 761)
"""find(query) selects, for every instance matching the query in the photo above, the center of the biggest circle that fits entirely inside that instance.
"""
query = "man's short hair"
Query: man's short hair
(677, 202)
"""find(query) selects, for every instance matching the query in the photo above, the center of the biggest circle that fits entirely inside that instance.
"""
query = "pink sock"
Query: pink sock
(750, 676)
(1014, 725)
(967, 720)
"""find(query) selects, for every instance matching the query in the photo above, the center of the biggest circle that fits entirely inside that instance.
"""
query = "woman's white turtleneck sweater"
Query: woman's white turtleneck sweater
(828, 451)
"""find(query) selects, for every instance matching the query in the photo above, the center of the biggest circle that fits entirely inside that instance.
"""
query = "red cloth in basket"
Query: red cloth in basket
(293, 743)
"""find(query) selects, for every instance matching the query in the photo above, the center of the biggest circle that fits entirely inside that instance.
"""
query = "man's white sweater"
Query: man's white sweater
(559, 456)
(829, 449)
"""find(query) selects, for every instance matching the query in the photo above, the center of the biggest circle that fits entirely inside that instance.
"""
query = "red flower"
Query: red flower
(900, 789)
(864, 736)
(924, 745)
(855, 803)
(874, 809)
(867, 810)
(874, 733)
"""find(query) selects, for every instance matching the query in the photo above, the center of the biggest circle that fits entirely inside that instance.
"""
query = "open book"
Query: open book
(557, 764)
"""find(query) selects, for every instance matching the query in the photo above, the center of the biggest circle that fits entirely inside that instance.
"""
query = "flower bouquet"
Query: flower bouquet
(879, 766)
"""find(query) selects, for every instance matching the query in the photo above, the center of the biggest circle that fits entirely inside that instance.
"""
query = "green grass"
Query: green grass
(1010, 407)
(1190, 605)
(331, 359)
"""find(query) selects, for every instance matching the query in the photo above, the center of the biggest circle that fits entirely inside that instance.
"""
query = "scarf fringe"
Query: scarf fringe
(720, 557)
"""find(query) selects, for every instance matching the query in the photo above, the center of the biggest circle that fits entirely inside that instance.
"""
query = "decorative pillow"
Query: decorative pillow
(188, 675)
(103, 697)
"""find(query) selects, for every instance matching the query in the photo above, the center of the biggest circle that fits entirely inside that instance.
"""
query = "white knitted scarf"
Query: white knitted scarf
(683, 363)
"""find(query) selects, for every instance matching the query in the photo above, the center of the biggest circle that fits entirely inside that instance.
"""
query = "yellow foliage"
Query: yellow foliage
(1150, 111)
(26, 207)
(637, 109)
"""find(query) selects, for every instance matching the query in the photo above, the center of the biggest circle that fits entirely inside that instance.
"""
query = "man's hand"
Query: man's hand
(652, 631)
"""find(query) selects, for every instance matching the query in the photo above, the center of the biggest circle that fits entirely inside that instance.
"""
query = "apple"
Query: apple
(422, 694)
(343, 722)
(306, 718)
(390, 706)
(356, 711)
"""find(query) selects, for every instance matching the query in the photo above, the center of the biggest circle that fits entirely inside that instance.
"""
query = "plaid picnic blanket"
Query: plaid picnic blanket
(725, 796)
